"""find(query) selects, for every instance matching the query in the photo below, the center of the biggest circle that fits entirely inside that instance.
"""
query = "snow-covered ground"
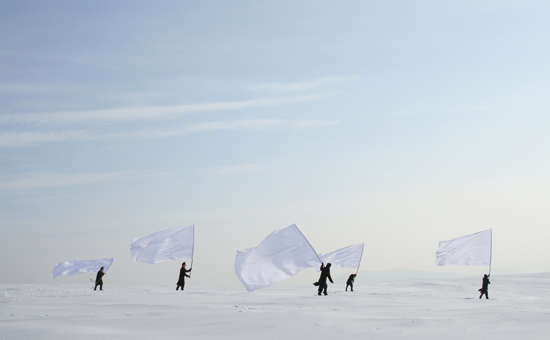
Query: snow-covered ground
(519, 308)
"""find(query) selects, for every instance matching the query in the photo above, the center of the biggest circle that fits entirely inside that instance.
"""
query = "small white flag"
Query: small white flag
(79, 267)
(347, 257)
(280, 255)
(469, 250)
(171, 244)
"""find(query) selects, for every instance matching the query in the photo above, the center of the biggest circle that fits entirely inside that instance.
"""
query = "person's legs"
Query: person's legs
(325, 289)
(351, 286)
(347, 287)
(322, 287)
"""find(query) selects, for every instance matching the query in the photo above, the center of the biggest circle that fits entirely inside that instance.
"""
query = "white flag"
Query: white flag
(347, 257)
(469, 250)
(281, 255)
(79, 267)
(171, 244)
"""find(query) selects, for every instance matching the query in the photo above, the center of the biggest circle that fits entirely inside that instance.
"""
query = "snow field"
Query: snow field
(519, 308)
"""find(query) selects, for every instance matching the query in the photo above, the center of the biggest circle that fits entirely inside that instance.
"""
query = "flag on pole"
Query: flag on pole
(469, 250)
(280, 255)
(347, 257)
(171, 244)
(79, 267)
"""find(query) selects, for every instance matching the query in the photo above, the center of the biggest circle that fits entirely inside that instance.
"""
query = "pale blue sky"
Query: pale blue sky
(394, 123)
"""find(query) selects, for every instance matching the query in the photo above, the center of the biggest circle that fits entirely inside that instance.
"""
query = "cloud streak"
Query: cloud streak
(20, 139)
(230, 170)
(302, 86)
(154, 112)
(43, 180)
(16, 139)
(457, 110)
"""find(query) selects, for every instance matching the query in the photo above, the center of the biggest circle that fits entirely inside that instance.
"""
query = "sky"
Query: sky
(396, 124)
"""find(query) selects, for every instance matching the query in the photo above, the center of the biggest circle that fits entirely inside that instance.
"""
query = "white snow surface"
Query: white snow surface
(518, 308)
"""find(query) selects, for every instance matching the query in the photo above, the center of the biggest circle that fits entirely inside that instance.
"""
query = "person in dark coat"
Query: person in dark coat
(349, 282)
(325, 274)
(183, 275)
(485, 287)
(99, 279)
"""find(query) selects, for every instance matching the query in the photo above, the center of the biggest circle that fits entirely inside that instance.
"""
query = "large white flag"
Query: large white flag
(79, 267)
(281, 255)
(171, 244)
(469, 250)
(347, 257)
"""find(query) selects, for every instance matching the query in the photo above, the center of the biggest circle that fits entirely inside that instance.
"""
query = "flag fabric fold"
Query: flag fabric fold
(79, 267)
(347, 257)
(171, 244)
(469, 250)
(279, 256)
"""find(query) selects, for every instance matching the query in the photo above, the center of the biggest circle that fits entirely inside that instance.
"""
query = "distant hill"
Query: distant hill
(398, 274)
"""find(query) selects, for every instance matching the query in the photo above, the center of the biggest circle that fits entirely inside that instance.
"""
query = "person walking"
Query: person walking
(99, 279)
(349, 282)
(325, 274)
(485, 287)
(183, 275)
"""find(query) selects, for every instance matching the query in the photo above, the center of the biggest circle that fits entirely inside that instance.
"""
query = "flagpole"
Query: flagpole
(308, 243)
(192, 252)
(362, 249)
(491, 256)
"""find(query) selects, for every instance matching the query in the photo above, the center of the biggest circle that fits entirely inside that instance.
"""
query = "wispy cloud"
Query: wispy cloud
(454, 110)
(155, 112)
(303, 86)
(36, 88)
(230, 170)
(246, 124)
(304, 124)
(44, 180)
(259, 124)
(18, 139)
